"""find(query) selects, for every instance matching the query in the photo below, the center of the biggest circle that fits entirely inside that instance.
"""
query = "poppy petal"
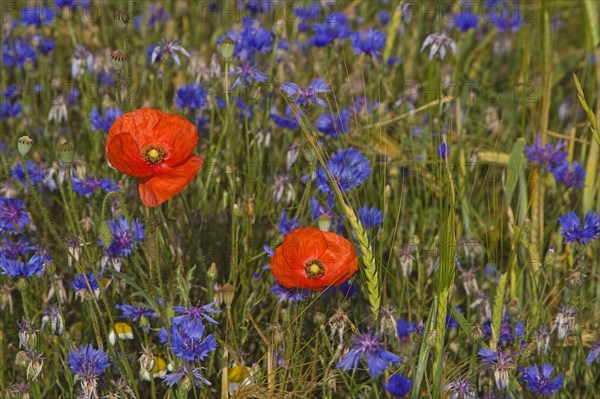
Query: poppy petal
(140, 124)
(124, 155)
(159, 188)
(180, 138)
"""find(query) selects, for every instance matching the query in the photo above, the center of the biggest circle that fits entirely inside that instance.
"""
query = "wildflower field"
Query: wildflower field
(300, 199)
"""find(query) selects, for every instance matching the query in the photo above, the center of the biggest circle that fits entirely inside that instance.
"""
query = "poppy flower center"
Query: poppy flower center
(153, 154)
(314, 269)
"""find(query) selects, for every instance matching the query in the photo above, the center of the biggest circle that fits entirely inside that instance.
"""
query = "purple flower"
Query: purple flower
(443, 150)
(370, 217)
(334, 27)
(289, 294)
(253, 39)
(194, 314)
(17, 269)
(13, 215)
(502, 362)
(171, 49)
(370, 43)
(17, 53)
(134, 312)
(14, 248)
(460, 389)
(79, 284)
(123, 240)
(88, 364)
(573, 230)
(545, 155)
(405, 328)
(10, 110)
(289, 120)
(309, 94)
(505, 22)
(104, 123)
(33, 170)
(38, 16)
(538, 379)
(368, 347)
(87, 187)
(334, 126)
(348, 168)
(185, 372)
(438, 43)
(286, 225)
(190, 96)
(594, 353)
(466, 20)
(570, 175)
(398, 385)
(188, 342)
(247, 74)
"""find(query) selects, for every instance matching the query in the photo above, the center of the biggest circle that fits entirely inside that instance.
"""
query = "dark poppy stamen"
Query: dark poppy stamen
(153, 154)
(314, 269)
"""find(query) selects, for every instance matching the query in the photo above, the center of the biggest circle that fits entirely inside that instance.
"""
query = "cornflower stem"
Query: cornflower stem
(74, 211)
(233, 196)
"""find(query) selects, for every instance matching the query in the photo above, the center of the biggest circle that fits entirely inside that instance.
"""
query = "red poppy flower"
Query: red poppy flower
(157, 148)
(313, 259)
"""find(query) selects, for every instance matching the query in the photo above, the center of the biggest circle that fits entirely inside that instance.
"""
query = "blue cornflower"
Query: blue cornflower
(13, 215)
(370, 217)
(170, 48)
(250, 40)
(188, 342)
(460, 389)
(88, 364)
(247, 74)
(538, 379)
(33, 170)
(368, 346)
(80, 285)
(594, 353)
(17, 269)
(87, 187)
(13, 249)
(570, 175)
(573, 230)
(194, 314)
(289, 120)
(66, 3)
(10, 110)
(334, 27)
(122, 240)
(334, 126)
(466, 20)
(134, 312)
(406, 328)
(286, 224)
(185, 372)
(317, 210)
(191, 96)
(519, 330)
(307, 14)
(12, 90)
(246, 109)
(37, 16)
(371, 42)
(158, 15)
(17, 53)
(103, 123)
(548, 154)
(309, 94)
(348, 168)
(289, 294)
(46, 45)
(398, 385)
(384, 17)
(505, 22)
(443, 150)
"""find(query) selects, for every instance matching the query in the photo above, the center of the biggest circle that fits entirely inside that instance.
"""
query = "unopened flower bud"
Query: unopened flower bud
(212, 272)
(431, 338)
(550, 258)
(118, 59)
(324, 222)
(21, 359)
(227, 48)
(66, 152)
(24, 145)
(228, 291)
(105, 233)
(279, 26)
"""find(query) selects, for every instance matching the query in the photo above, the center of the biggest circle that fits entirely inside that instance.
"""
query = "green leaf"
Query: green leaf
(516, 164)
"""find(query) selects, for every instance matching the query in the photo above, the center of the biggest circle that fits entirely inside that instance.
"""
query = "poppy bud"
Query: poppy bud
(227, 47)
(324, 222)
(24, 145)
(105, 234)
(212, 272)
(66, 153)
